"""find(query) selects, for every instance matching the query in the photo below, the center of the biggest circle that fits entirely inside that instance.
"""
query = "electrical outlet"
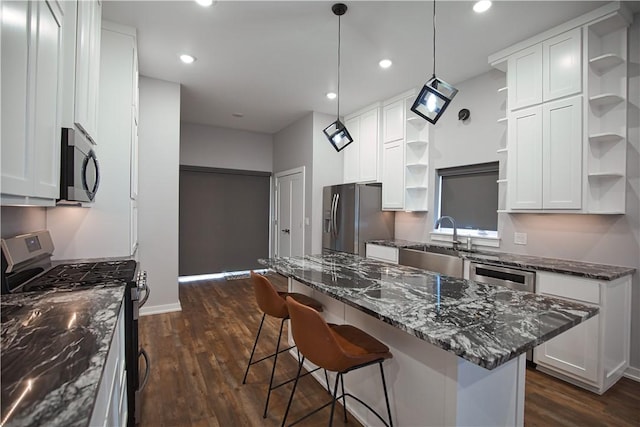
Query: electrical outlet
(520, 238)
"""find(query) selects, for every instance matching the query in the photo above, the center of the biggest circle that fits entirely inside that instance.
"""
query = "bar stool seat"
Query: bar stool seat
(273, 303)
(337, 348)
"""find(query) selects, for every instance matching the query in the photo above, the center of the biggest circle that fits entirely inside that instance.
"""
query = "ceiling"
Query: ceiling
(274, 61)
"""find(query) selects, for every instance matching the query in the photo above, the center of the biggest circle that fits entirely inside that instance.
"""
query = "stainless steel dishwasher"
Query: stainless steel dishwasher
(512, 278)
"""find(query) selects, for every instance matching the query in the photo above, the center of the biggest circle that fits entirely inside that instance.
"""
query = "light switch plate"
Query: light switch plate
(520, 238)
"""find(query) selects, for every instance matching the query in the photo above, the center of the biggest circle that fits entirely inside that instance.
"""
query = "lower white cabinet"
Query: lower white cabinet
(31, 69)
(594, 354)
(110, 409)
(382, 253)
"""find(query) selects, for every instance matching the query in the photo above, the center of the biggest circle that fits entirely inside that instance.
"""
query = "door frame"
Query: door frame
(274, 221)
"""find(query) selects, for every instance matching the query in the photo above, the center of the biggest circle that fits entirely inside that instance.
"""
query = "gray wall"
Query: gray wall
(216, 147)
(609, 239)
(293, 148)
(17, 220)
(159, 152)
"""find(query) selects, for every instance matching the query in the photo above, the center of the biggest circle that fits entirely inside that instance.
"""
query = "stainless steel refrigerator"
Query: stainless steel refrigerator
(352, 215)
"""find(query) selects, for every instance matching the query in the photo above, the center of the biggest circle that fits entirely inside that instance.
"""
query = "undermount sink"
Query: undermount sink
(438, 259)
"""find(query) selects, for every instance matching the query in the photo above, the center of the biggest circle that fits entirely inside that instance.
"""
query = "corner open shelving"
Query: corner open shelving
(416, 160)
(606, 115)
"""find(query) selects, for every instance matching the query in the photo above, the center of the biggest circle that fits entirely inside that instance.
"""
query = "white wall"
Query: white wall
(17, 220)
(608, 239)
(159, 151)
(293, 148)
(327, 170)
(215, 147)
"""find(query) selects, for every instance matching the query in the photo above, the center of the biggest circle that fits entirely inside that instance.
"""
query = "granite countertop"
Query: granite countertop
(554, 265)
(54, 347)
(484, 324)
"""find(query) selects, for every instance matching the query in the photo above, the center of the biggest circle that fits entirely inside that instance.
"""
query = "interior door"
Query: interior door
(290, 215)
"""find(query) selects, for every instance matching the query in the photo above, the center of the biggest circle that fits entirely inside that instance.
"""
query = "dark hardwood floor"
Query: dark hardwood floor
(198, 357)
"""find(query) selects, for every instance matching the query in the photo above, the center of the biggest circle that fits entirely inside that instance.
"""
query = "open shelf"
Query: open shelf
(503, 89)
(417, 142)
(605, 99)
(603, 63)
(416, 121)
(502, 120)
(502, 150)
(605, 137)
(502, 181)
(417, 165)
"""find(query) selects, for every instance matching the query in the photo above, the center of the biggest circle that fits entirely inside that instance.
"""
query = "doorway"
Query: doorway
(290, 220)
(224, 220)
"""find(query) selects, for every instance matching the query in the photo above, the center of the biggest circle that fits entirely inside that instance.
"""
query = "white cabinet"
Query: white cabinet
(110, 408)
(393, 121)
(562, 65)
(546, 71)
(87, 67)
(545, 156)
(382, 253)
(362, 157)
(31, 70)
(594, 354)
(525, 158)
(393, 175)
(524, 78)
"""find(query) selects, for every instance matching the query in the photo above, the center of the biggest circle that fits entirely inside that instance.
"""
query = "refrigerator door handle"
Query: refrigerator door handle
(333, 204)
(335, 215)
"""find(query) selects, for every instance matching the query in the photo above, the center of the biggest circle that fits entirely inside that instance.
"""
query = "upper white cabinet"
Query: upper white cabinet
(562, 65)
(362, 157)
(88, 67)
(594, 354)
(405, 156)
(575, 162)
(31, 70)
(524, 78)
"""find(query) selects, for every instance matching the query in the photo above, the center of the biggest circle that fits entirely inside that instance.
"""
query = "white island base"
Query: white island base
(427, 385)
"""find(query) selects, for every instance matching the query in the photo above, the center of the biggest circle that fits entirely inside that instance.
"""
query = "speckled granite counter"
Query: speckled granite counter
(562, 266)
(54, 347)
(484, 324)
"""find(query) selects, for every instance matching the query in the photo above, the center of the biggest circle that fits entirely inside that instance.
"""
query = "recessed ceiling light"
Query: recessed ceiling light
(385, 63)
(481, 6)
(187, 59)
(332, 95)
(205, 3)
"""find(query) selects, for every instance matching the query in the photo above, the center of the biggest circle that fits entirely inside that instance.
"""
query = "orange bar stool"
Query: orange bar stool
(336, 348)
(272, 303)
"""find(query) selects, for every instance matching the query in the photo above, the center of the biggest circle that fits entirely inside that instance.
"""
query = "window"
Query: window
(469, 194)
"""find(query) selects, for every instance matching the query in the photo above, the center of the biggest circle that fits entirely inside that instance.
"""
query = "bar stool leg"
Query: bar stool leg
(344, 398)
(295, 384)
(255, 343)
(386, 396)
(273, 370)
(326, 378)
(333, 400)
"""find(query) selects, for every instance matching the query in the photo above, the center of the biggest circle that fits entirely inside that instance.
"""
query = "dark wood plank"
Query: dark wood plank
(199, 356)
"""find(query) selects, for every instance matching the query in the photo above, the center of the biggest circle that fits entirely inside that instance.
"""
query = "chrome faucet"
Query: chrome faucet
(455, 241)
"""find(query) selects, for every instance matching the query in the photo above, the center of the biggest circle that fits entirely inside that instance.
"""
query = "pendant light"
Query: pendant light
(436, 94)
(337, 132)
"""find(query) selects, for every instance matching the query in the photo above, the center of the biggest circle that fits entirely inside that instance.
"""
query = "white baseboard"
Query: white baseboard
(159, 309)
(632, 373)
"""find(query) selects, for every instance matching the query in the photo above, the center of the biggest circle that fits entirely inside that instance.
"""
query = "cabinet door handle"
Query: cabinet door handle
(286, 230)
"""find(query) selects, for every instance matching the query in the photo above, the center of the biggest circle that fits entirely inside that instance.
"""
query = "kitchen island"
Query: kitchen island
(54, 351)
(459, 346)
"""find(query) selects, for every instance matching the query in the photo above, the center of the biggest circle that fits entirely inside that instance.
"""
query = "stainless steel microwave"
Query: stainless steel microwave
(79, 168)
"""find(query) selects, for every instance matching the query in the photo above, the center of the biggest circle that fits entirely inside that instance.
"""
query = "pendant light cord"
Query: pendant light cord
(434, 38)
(338, 67)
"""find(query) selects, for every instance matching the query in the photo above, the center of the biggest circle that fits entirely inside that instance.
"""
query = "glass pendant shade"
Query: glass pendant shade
(338, 135)
(433, 99)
